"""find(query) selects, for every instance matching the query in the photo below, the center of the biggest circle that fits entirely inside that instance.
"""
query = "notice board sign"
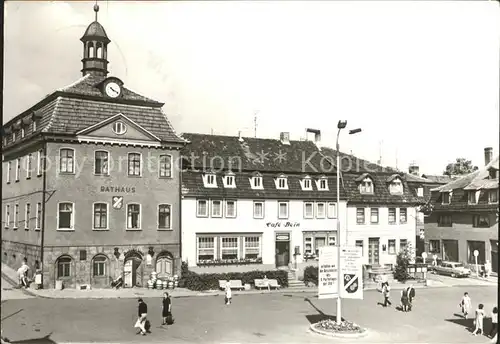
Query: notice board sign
(327, 273)
(352, 272)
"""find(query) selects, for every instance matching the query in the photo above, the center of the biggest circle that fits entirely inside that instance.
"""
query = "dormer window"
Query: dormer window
(306, 183)
(366, 186)
(23, 132)
(473, 196)
(396, 186)
(256, 182)
(209, 180)
(322, 184)
(14, 136)
(229, 181)
(446, 197)
(281, 183)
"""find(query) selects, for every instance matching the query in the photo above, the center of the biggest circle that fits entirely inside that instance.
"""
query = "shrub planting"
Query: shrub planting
(311, 275)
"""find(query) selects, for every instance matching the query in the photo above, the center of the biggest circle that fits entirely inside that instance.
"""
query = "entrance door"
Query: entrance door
(130, 272)
(282, 253)
(373, 251)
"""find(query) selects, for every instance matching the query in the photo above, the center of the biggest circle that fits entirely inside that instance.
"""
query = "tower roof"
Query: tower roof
(95, 31)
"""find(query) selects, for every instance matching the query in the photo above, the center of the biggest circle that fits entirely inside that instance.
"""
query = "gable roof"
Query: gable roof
(350, 163)
(253, 154)
(473, 181)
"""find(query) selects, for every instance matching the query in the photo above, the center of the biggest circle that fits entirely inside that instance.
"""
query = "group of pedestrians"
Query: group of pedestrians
(143, 323)
(466, 305)
(407, 296)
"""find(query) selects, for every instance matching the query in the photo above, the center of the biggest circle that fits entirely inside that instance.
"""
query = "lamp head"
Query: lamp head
(342, 124)
(354, 131)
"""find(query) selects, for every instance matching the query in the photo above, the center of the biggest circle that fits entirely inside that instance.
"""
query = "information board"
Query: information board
(327, 273)
(352, 272)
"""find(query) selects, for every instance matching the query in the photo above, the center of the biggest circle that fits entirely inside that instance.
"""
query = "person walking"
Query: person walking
(228, 293)
(166, 310)
(386, 292)
(479, 319)
(411, 296)
(465, 304)
(141, 321)
(494, 322)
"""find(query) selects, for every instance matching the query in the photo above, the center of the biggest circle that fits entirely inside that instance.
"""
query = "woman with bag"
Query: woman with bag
(167, 310)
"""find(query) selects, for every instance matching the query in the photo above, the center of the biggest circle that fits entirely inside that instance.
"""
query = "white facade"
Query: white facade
(383, 236)
(297, 227)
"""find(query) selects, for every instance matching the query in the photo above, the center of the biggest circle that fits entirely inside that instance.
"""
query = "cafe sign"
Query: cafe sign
(282, 236)
(284, 224)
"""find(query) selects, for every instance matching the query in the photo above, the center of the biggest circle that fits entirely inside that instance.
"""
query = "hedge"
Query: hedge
(311, 274)
(210, 281)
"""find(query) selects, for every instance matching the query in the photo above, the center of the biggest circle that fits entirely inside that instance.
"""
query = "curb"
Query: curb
(14, 284)
(339, 334)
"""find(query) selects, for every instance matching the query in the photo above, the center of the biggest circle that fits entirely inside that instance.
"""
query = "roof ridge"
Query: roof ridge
(171, 126)
(53, 115)
(65, 88)
(245, 137)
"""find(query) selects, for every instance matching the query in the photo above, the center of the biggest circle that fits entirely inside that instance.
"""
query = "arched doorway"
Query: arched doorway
(132, 270)
(164, 265)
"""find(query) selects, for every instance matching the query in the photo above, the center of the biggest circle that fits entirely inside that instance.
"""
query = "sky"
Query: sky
(421, 79)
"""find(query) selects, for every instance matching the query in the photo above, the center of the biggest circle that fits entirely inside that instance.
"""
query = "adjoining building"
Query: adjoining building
(90, 191)
(253, 204)
(465, 217)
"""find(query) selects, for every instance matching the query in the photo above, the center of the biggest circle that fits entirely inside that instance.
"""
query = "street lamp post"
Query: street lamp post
(341, 125)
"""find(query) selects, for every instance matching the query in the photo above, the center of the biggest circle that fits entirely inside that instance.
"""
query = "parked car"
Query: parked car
(452, 269)
(429, 261)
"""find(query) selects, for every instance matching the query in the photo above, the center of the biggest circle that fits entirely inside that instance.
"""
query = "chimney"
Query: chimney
(316, 133)
(285, 138)
(413, 169)
(488, 155)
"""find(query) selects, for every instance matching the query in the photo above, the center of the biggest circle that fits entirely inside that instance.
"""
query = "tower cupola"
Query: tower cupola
(95, 48)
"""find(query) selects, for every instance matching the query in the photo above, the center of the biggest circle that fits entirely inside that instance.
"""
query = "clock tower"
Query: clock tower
(95, 48)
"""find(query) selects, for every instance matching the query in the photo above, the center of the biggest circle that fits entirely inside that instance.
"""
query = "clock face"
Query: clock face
(113, 90)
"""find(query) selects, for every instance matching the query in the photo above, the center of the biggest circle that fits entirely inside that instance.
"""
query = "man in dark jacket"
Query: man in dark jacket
(141, 321)
(411, 296)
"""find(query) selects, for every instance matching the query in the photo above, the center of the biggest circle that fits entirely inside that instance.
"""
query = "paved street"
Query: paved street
(251, 318)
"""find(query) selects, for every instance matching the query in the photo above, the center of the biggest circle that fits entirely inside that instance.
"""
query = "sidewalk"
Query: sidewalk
(11, 276)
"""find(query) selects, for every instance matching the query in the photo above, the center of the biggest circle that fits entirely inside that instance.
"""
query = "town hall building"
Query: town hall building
(90, 188)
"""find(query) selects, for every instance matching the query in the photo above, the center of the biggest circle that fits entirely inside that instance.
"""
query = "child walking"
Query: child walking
(228, 293)
(494, 322)
(465, 305)
(479, 319)
(386, 291)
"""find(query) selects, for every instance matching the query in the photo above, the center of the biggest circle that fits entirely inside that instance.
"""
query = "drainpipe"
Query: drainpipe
(44, 193)
(180, 208)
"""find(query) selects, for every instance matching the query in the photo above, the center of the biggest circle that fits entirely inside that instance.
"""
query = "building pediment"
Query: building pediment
(118, 127)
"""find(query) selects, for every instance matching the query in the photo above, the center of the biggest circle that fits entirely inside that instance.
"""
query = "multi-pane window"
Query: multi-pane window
(101, 162)
(210, 180)
(480, 221)
(374, 215)
(65, 216)
(99, 265)
(403, 244)
(323, 184)
(100, 215)
(67, 160)
(359, 243)
(9, 167)
(252, 247)
(206, 248)
(444, 221)
(320, 210)
(366, 186)
(216, 208)
(229, 181)
(420, 192)
(202, 208)
(306, 184)
(40, 163)
(434, 246)
(63, 267)
(256, 182)
(165, 166)
(230, 208)
(396, 186)
(493, 196)
(282, 210)
(29, 166)
(38, 215)
(164, 216)
(392, 216)
(229, 248)
(446, 197)
(308, 210)
(134, 164)
(472, 197)
(392, 246)
(282, 183)
(16, 215)
(319, 242)
(403, 215)
(360, 216)
(258, 209)
(7, 216)
(18, 169)
(27, 215)
(133, 216)
(331, 210)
